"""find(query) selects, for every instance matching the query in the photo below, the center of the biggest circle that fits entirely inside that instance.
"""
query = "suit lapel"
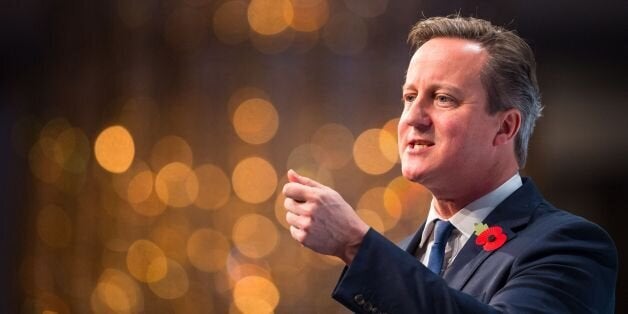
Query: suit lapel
(512, 214)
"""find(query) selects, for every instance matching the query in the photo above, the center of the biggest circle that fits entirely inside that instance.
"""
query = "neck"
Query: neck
(448, 205)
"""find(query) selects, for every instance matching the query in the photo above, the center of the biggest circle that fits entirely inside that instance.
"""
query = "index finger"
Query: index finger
(297, 191)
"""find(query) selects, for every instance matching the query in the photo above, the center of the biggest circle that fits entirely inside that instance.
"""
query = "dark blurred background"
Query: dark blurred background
(145, 142)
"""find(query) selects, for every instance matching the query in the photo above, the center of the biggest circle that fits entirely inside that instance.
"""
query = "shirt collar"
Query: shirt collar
(475, 212)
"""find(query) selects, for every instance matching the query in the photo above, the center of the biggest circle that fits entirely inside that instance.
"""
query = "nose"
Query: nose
(417, 116)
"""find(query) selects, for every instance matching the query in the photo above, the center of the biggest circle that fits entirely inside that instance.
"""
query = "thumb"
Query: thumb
(293, 176)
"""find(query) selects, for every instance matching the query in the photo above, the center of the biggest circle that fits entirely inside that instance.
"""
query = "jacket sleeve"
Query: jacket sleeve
(569, 270)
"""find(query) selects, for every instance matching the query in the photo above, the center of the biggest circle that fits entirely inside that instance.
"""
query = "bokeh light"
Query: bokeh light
(243, 94)
(255, 294)
(171, 237)
(117, 292)
(174, 284)
(255, 235)
(413, 197)
(176, 185)
(146, 261)
(368, 154)
(302, 160)
(114, 149)
(309, 15)
(272, 44)
(270, 17)
(388, 140)
(335, 142)
(170, 149)
(230, 22)
(214, 187)
(207, 250)
(254, 180)
(381, 202)
(256, 121)
(372, 219)
(54, 226)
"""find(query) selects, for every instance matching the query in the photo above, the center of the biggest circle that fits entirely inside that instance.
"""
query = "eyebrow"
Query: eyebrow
(437, 85)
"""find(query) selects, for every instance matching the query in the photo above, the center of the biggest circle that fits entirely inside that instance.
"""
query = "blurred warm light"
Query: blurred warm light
(272, 44)
(54, 226)
(254, 180)
(256, 121)
(238, 268)
(152, 206)
(174, 285)
(413, 197)
(385, 205)
(309, 15)
(36, 275)
(45, 303)
(345, 34)
(301, 160)
(41, 160)
(335, 142)
(255, 236)
(121, 182)
(146, 261)
(186, 28)
(243, 94)
(176, 185)
(280, 210)
(114, 149)
(208, 250)
(371, 8)
(24, 134)
(170, 149)
(117, 292)
(72, 151)
(171, 241)
(140, 187)
(214, 187)
(270, 17)
(255, 294)
(367, 152)
(198, 300)
(230, 22)
(388, 140)
(372, 219)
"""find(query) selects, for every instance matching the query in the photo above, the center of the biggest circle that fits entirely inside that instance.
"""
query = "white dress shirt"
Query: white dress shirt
(464, 221)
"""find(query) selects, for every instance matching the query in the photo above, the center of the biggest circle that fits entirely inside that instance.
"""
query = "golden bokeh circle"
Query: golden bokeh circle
(114, 149)
(270, 17)
(41, 160)
(384, 204)
(170, 149)
(54, 226)
(117, 292)
(388, 140)
(256, 121)
(243, 94)
(368, 154)
(302, 160)
(176, 185)
(230, 22)
(335, 142)
(72, 151)
(255, 236)
(309, 15)
(254, 294)
(254, 180)
(140, 187)
(208, 250)
(146, 261)
(272, 44)
(214, 188)
(174, 284)
(373, 219)
(413, 197)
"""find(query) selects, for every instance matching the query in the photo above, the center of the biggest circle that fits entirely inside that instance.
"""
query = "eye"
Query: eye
(409, 98)
(444, 100)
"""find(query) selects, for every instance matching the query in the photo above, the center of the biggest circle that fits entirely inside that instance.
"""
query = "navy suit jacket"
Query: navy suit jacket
(552, 262)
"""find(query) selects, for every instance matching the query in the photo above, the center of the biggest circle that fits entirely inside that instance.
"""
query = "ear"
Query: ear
(510, 123)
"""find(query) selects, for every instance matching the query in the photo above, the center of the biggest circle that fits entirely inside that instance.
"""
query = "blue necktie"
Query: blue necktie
(442, 230)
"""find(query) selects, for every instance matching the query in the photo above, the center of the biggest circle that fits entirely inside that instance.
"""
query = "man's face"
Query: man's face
(445, 132)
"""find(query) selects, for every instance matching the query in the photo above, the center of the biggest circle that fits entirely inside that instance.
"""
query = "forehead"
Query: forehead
(443, 58)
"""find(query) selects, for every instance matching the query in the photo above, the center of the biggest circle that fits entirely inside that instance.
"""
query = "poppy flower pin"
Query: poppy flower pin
(490, 238)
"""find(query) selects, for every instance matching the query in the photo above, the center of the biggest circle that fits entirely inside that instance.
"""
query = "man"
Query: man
(490, 243)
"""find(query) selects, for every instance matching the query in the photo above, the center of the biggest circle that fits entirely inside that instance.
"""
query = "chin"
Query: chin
(412, 174)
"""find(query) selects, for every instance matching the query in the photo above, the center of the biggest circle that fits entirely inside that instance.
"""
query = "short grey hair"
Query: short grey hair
(509, 75)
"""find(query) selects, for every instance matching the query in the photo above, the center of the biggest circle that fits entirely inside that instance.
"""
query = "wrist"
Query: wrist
(352, 248)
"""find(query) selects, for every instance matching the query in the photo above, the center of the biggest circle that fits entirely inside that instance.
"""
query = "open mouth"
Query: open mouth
(418, 145)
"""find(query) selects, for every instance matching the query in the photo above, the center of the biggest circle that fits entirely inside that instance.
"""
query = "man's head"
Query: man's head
(509, 75)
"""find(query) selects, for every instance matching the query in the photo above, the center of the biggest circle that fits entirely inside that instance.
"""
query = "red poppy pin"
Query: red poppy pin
(490, 238)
